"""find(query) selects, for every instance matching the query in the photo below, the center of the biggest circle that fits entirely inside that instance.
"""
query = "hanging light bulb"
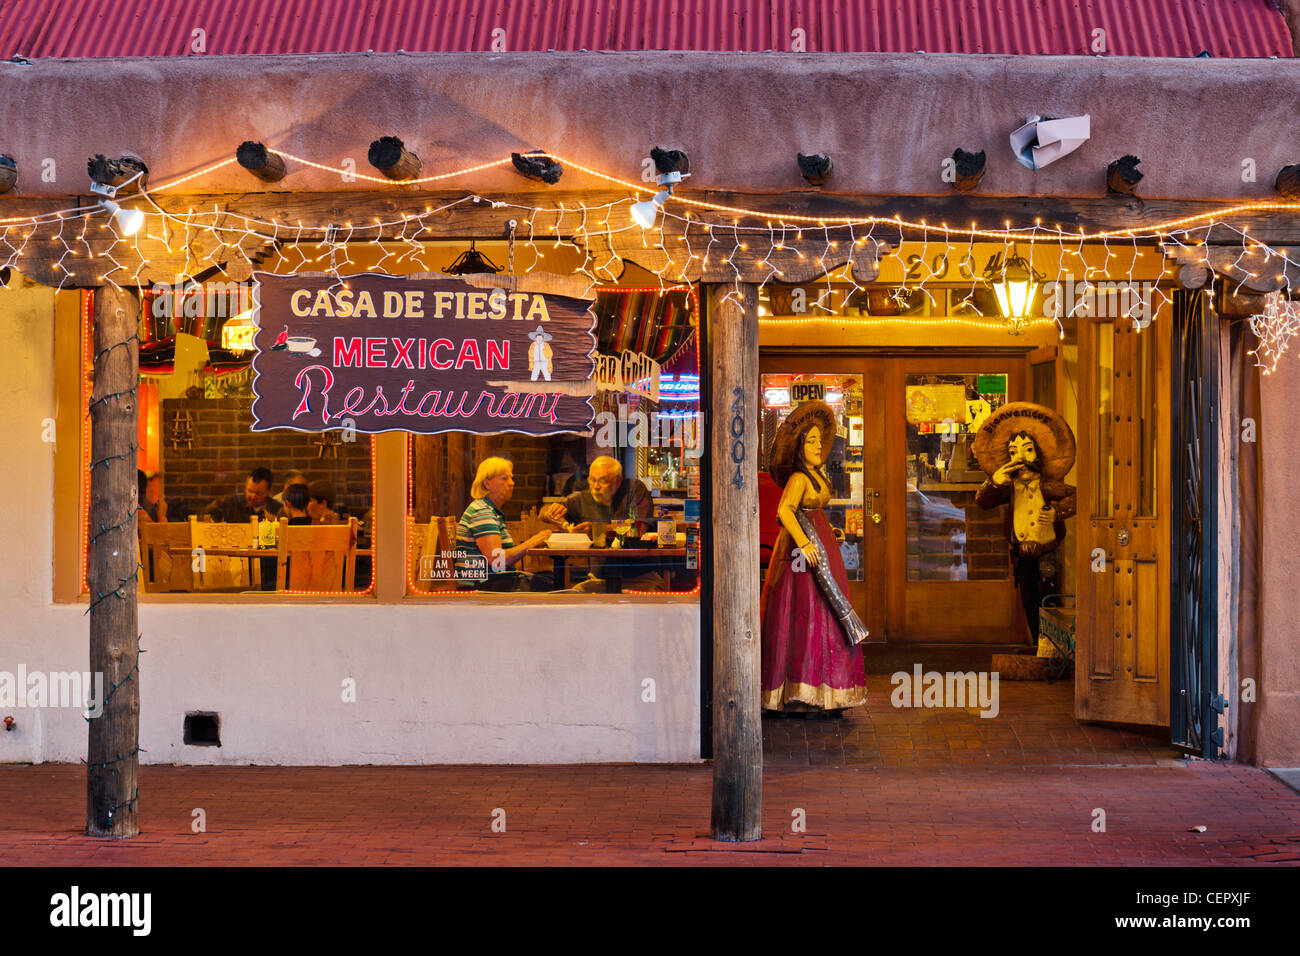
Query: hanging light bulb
(128, 221)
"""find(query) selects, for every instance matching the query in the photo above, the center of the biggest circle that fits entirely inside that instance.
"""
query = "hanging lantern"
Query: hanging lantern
(1015, 283)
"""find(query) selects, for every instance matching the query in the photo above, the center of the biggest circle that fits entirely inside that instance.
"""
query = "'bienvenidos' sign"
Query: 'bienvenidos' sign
(382, 353)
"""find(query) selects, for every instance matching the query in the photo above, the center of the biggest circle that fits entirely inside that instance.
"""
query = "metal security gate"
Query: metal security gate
(1196, 705)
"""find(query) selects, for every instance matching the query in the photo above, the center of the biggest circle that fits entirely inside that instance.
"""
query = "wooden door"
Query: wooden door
(1122, 566)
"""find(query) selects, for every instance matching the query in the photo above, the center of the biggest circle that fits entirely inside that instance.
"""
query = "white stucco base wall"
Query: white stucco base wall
(433, 684)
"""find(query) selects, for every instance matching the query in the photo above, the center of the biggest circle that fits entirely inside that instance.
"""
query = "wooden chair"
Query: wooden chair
(523, 529)
(317, 557)
(225, 574)
(162, 571)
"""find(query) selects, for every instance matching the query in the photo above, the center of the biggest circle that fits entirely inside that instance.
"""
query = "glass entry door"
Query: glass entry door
(955, 583)
(855, 468)
(925, 563)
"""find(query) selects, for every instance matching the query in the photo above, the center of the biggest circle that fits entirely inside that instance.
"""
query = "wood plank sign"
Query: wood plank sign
(379, 353)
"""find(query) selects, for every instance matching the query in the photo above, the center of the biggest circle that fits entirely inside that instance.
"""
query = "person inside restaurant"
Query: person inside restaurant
(610, 499)
(151, 505)
(292, 478)
(320, 505)
(482, 531)
(255, 500)
(296, 501)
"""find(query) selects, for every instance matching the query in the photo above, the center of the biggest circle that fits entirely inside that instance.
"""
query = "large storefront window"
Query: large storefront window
(615, 511)
(224, 509)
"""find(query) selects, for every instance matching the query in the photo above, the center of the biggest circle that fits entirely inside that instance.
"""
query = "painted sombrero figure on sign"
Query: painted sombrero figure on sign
(812, 658)
(1026, 450)
(539, 355)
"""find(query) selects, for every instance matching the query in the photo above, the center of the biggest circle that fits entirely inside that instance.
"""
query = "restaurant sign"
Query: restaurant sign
(380, 353)
(629, 372)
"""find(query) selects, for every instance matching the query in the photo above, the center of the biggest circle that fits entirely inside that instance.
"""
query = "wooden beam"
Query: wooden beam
(475, 220)
(114, 736)
(1251, 268)
(737, 715)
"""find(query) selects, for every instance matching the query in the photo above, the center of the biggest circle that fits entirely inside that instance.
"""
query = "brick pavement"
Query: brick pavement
(882, 786)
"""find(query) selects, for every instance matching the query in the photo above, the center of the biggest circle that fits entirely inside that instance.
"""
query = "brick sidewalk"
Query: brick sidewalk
(880, 786)
(616, 814)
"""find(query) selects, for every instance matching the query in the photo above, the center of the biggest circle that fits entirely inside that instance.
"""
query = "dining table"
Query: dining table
(613, 582)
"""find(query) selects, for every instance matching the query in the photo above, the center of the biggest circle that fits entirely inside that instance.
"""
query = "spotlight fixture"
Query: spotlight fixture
(645, 213)
(128, 221)
(8, 173)
(1015, 283)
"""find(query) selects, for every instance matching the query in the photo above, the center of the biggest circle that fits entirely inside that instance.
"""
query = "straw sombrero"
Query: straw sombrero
(1049, 431)
(786, 441)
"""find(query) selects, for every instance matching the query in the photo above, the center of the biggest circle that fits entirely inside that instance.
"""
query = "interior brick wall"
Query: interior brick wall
(529, 456)
(224, 451)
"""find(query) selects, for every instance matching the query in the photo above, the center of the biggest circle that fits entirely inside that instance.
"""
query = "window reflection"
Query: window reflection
(949, 538)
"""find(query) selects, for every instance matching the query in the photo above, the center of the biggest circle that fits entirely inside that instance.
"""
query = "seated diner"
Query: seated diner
(482, 531)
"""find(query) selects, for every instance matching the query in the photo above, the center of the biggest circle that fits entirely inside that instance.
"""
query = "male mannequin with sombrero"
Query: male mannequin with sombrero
(1026, 450)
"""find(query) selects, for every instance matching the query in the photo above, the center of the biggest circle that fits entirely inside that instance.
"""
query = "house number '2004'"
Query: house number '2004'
(738, 435)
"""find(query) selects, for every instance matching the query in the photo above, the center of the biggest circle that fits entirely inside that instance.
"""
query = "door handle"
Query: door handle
(877, 518)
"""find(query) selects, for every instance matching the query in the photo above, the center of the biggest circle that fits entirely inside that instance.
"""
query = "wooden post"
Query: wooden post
(260, 161)
(427, 453)
(737, 717)
(113, 746)
(8, 173)
(389, 155)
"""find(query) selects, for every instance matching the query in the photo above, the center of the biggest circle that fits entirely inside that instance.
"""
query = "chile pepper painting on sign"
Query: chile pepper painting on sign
(380, 353)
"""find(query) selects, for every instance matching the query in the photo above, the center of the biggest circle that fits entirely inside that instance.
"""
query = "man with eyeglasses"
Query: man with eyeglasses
(609, 498)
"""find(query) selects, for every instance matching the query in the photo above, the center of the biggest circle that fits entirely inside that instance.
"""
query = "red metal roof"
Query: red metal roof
(88, 28)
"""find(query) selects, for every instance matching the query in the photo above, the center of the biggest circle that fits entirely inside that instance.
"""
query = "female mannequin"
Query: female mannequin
(812, 661)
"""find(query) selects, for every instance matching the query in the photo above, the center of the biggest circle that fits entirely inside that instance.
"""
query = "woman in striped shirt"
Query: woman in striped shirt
(482, 529)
